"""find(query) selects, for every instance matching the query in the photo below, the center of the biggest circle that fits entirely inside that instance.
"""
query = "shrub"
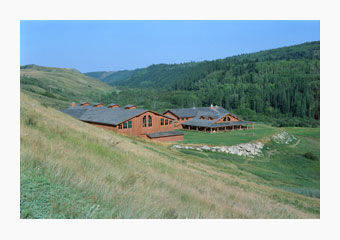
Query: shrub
(30, 122)
(44, 104)
(171, 213)
(311, 156)
(48, 94)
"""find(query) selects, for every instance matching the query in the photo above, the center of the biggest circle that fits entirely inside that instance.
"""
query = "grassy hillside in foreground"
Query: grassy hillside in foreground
(70, 169)
(58, 87)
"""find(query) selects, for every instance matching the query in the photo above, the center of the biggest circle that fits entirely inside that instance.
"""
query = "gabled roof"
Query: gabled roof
(215, 112)
(76, 111)
(115, 116)
(199, 123)
(224, 124)
(110, 116)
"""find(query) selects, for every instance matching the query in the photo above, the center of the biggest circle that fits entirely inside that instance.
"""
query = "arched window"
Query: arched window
(228, 118)
(150, 121)
(144, 121)
(224, 119)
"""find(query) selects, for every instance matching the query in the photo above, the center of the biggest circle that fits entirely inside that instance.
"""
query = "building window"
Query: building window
(150, 121)
(166, 121)
(130, 124)
(162, 121)
(182, 119)
(170, 122)
(120, 126)
(144, 121)
(229, 119)
(186, 118)
(124, 125)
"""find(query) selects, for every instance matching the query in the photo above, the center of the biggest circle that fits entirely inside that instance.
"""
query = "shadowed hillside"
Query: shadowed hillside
(70, 169)
(58, 87)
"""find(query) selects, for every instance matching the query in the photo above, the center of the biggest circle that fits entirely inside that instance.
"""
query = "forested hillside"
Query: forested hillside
(281, 84)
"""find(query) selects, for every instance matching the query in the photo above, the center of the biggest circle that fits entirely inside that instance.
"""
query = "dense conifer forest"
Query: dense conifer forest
(279, 86)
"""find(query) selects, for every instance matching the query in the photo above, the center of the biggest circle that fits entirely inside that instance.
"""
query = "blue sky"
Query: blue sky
(119, 45)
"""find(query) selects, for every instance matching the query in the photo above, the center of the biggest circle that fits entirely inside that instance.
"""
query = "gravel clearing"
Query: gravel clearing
(244, 149)
(283, 138)
(251, 149)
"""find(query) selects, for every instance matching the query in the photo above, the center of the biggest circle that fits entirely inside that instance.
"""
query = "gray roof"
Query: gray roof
(103, 115)
(236, 123)
(76, 111)
(216, 112)
(165, 134)
(199, 123)
(110, 116)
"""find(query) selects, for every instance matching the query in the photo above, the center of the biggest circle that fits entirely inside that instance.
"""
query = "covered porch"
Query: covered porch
(218, 128)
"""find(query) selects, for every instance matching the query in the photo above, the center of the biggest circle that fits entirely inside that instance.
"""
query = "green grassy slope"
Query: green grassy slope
(58, 86)
(260, 131)
(284, 166)
(111, 77)
(99, 75)
(70, 169)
